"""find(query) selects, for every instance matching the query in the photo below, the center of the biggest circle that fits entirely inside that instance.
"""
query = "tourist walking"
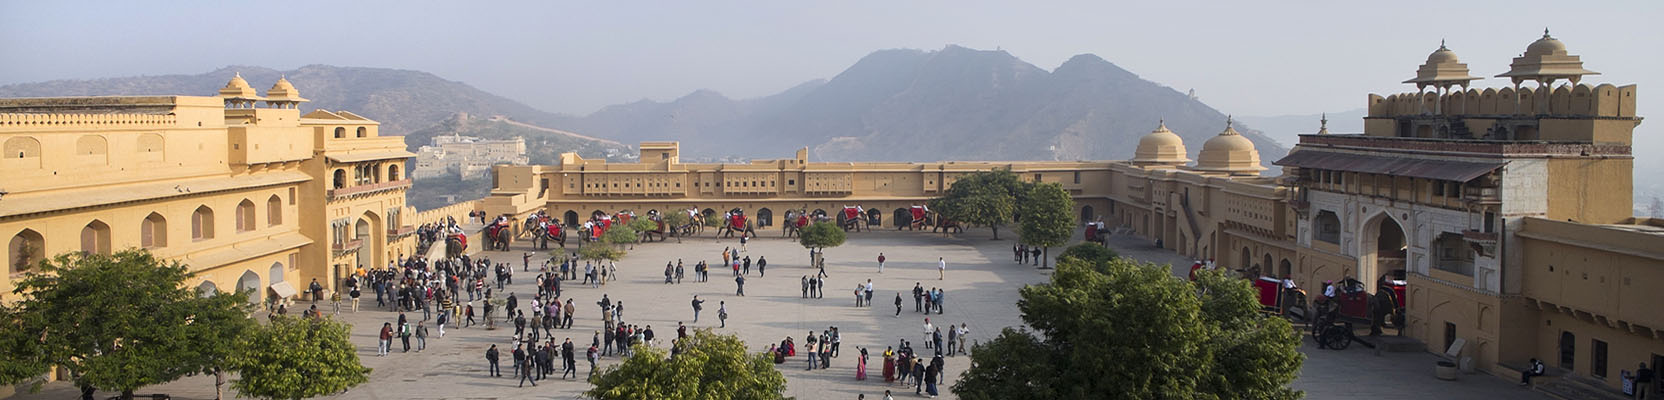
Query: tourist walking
(721, 313)
(491, 360)
(880, 263)
(762, 264)
(941, 268)
(739, 285)
(898, 305)
(569, 358)
(421, 337)
(386, 339)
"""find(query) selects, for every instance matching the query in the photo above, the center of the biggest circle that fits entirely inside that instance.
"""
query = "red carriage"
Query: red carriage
(1353, 301)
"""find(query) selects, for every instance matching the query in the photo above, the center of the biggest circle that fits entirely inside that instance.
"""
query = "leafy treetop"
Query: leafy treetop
(821, 235)
(1121, 330)
(706, 366)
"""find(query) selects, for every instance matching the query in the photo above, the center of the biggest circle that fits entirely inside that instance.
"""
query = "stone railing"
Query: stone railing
(458, 211)
(360, 189)
(36, 120)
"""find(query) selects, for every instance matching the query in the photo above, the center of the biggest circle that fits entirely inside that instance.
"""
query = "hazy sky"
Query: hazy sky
(1292, 58)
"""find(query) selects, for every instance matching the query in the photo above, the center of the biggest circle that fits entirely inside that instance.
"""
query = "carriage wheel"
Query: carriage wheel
(1339, 337)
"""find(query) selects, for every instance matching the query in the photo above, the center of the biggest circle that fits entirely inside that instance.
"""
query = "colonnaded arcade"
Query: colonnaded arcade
(1507, 209)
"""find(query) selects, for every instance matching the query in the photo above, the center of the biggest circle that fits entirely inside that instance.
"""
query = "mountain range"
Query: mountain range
(954, 103)
(913, 105)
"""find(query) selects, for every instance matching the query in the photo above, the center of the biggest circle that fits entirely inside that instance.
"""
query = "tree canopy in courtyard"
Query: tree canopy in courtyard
(821, 235)
(1121, 330)
(986, 198)
(1089, 252)
(706, 366)
(673, 220)
(117, 322)
(1046, 216)
(302, 358)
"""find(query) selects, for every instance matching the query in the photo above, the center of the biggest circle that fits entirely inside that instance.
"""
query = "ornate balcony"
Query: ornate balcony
(368, 189)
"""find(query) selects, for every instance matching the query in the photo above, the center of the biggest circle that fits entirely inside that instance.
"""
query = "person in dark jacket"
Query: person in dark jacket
(570, 359)
(491, 358)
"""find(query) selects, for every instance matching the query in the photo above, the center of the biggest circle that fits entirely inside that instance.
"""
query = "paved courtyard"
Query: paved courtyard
(981, 290)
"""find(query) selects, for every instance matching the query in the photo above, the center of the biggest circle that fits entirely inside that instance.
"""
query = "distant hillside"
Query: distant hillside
(543, 145)
(1286, 129)
(912, 105)
(403, 101)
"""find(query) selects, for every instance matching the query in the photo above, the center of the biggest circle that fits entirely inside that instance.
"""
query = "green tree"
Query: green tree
(297, 358)
(1046, 220)
(987, 198)
(217, 328)
(1089, 252)
(675, 219)
(714, 220)
(118, 322)
(817, 237)
(620, 235)
(600, 253)
(707, 366)
(820, 235)
(1123, 330)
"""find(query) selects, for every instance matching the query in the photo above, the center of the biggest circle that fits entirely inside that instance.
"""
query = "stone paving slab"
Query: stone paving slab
(981, 286)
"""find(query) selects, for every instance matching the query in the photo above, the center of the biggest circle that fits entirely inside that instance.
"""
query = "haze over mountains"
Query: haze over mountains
(903, 105)
(912, 105)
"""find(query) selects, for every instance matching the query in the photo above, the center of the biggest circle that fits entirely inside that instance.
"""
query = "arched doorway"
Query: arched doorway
(1086, 214)
(1568, 350)
(765, 217)
(1285, 268)
(875, 217)
(901, 217)
(361, 233)
(1245, 259)
(276, 273)
(250, 285)
(708, 212)
(1383, 249)
(571, 218)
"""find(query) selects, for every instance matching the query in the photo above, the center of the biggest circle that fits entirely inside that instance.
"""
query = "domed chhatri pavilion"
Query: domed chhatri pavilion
(1229, 153)
(1160, 147)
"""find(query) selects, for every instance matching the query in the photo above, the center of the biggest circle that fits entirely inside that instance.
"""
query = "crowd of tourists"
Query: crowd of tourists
(471, 290)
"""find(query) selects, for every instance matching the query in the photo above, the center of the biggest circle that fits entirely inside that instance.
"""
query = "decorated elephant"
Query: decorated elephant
(498, 236)
(456, 245)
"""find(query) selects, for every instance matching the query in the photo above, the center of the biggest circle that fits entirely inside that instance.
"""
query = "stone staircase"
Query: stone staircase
(1579, 388)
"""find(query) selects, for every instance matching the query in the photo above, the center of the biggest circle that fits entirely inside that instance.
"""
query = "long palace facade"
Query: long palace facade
(1506, 211)
(243, 188)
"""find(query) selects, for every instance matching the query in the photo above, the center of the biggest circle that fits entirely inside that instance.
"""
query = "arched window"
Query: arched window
(274, 211)
(95, 238)
(207, 289)
(1326, 227)
(340, 132)
(92, 149)
(153, 231)
(24, 250)
(151, 147)
(362, 132)
(392, 172)
(245, 216)
(202, 223)
(340, 178)
(24, 150)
